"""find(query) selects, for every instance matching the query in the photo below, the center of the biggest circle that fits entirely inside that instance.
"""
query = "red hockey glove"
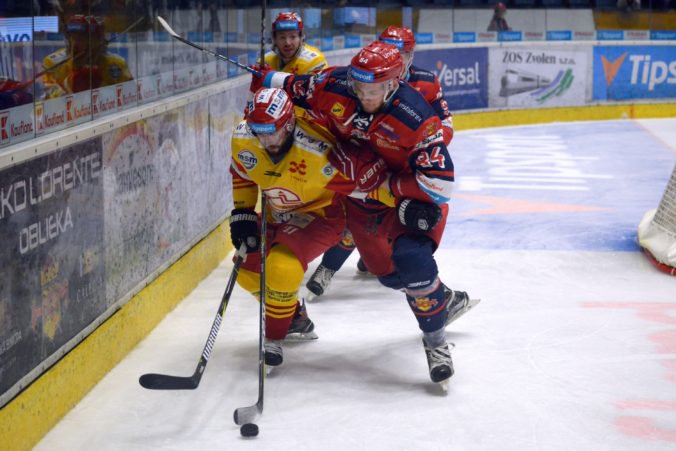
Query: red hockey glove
(84, 78)
(257, 80)
(359, 164)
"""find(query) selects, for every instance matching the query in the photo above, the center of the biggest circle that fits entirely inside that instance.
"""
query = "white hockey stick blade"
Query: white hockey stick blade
(166, 26)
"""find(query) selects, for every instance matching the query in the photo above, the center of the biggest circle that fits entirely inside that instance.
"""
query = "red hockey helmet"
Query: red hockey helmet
(400, 37)
(375, 63)
(288, 21)
(374, 73)
(271, 118)
(82, 24)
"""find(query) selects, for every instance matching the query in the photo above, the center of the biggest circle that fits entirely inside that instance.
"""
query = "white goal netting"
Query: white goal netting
(657, 230)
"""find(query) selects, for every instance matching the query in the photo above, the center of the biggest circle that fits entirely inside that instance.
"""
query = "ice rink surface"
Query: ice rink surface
(573, 346)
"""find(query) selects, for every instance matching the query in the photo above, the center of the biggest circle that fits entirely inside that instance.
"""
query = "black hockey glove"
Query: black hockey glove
(244, 229)
(417, 215)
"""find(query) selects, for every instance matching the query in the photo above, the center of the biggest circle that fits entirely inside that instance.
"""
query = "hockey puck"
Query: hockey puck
(249, 430)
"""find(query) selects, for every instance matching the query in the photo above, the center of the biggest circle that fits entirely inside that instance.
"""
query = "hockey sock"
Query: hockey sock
(335, 257)
(284, 274)
(250, 281)
(436, 338)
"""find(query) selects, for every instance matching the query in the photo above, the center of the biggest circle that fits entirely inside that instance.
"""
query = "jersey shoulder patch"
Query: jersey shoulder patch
(55, 58)
(418, 74)
(410, 107)
(306, 139)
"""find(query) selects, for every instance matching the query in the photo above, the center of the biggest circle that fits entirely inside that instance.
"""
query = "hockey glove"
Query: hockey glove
(360, 165)
(257, 81)
(83, 78)
(417, 215)
(244, 229)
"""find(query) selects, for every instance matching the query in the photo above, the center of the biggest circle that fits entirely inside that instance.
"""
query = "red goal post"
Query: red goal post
(657, 230)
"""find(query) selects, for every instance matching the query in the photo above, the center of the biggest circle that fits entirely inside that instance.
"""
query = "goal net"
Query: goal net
(657, 230)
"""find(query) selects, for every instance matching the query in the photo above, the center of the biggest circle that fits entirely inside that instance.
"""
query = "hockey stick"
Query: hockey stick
(155, 381)
(175, 35)
(245, 415)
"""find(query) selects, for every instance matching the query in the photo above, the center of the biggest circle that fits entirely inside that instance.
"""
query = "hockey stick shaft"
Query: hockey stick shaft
(176, 36)
(244, 415)
(155, 381)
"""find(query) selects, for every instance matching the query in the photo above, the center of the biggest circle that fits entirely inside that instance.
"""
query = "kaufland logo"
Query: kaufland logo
(118, 94)
(644, 70)
(69, 108)
(4, 122)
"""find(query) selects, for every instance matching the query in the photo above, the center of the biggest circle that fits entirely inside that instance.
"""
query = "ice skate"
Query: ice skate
(301, 327)
(440, 364)
(273, 354)
(457, 304)
(319, 282)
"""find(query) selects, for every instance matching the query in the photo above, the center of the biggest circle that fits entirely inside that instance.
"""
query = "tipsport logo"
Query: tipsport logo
(634, 73)
(644, 70)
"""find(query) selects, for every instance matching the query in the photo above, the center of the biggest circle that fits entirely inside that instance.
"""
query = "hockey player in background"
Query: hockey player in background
(13, 93)
(286, 158)
(85, 62)
(289, 52)
(391, 143)
(429, 86)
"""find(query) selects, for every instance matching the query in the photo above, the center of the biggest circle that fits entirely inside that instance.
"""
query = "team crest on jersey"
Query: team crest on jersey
(328, 170)
(115, 71)
(248, 159)
(424, 304)
(282, 199)
(338, 109)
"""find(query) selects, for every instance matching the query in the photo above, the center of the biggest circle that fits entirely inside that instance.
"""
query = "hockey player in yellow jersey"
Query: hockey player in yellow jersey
(84, 63)
(290, 52)
(287, 158)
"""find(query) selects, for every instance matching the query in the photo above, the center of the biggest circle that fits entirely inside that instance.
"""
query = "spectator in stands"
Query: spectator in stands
(498, 22)
(629, 5)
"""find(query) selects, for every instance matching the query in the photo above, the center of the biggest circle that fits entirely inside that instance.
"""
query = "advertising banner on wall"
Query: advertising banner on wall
(144, 200)
(527, 77)
(462, 73)
(634, 72)
(51, 284)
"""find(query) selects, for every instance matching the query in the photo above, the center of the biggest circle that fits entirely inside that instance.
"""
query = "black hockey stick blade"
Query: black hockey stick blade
(178, 37)
(154, 381)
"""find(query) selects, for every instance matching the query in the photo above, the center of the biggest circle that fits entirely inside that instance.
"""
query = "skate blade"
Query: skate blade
(470, 305)
(365, 274)
(306, 336)
(444, 386)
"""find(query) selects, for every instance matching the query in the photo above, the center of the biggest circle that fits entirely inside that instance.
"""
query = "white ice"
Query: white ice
(573, 346)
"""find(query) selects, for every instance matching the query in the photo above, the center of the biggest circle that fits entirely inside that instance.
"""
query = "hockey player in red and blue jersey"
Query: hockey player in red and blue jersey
(391, 143)
(427, 84)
